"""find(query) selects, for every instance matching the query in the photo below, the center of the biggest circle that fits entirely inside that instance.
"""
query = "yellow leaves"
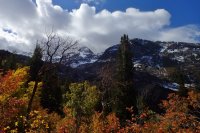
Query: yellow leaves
(32, 83)
(38, 121)
(21, 72)
(7, 128)
(3, 97)
(179, 115)
(16, 123)
(12, 80)
(11, 104)
(46, 126)
(82, 98)
(35, 111)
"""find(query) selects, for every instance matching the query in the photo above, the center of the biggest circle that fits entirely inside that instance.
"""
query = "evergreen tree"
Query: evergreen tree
(124, 94)
(35, 63)
(51, 94)
(35, 66)
(179, 78)
(53, 46)
(125, 64)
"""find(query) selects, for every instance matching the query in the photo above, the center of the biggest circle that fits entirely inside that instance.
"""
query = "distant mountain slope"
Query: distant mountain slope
(155, 58)
(155, 51)
(6, 55)
(153, 63)
(84, 56)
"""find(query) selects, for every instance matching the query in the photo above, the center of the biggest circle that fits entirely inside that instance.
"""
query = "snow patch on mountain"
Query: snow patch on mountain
(171, 86)
(84, 56)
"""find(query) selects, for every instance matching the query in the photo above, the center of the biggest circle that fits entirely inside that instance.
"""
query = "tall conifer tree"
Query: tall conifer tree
(35, 63)
(124, 94)
(35, 66)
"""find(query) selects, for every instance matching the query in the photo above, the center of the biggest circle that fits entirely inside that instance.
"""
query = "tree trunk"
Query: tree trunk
(31, 99)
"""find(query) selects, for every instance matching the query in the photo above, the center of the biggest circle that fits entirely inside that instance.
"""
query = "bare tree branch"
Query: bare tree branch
(53, 47)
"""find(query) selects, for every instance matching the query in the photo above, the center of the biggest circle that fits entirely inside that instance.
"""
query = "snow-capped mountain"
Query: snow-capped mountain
(143, 49)
(157, 54)
(84, 56)
(153, 63)
(155, 58)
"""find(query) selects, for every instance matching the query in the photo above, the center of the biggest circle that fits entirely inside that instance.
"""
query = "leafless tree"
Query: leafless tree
(107, 83)
(56, 51)
(57, 47)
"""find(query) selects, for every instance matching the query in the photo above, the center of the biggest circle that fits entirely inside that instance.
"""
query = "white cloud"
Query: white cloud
(188, 33)
(27, 22)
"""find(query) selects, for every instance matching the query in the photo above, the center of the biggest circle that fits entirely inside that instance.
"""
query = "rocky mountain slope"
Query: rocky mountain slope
(155, 58)
(83, 56)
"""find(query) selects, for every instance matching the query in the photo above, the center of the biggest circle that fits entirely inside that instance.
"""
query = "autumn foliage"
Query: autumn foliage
(181, 114)
(11, 105)
(12, 81)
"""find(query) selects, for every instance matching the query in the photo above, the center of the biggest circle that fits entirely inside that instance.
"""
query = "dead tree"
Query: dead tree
(56, 51)
(107, 83)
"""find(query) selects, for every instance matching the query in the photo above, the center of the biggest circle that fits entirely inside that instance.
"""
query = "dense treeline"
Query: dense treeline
(38, 98)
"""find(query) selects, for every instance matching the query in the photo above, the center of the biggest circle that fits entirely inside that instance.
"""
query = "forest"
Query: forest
(38, 96)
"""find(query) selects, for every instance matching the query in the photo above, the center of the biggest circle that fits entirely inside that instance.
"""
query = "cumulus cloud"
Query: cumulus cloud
(24, 22)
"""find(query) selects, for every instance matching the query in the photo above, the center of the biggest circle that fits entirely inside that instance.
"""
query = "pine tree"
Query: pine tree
(35, 63)
(53, 46)
(124, 94)
(125, 64)
(182, 89)
(51, 94)
(35, 66)
(179, 78)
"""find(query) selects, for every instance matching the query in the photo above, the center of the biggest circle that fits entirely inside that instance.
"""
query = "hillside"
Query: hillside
(77, 90)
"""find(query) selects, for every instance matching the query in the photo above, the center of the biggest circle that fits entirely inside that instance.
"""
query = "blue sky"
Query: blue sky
(183, 11)
(97, 24)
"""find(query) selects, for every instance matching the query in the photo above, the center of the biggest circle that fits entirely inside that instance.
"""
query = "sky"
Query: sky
(97, 24)
(183, 11)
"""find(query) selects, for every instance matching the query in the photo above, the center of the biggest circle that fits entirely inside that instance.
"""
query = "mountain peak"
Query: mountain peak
(85, 50)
